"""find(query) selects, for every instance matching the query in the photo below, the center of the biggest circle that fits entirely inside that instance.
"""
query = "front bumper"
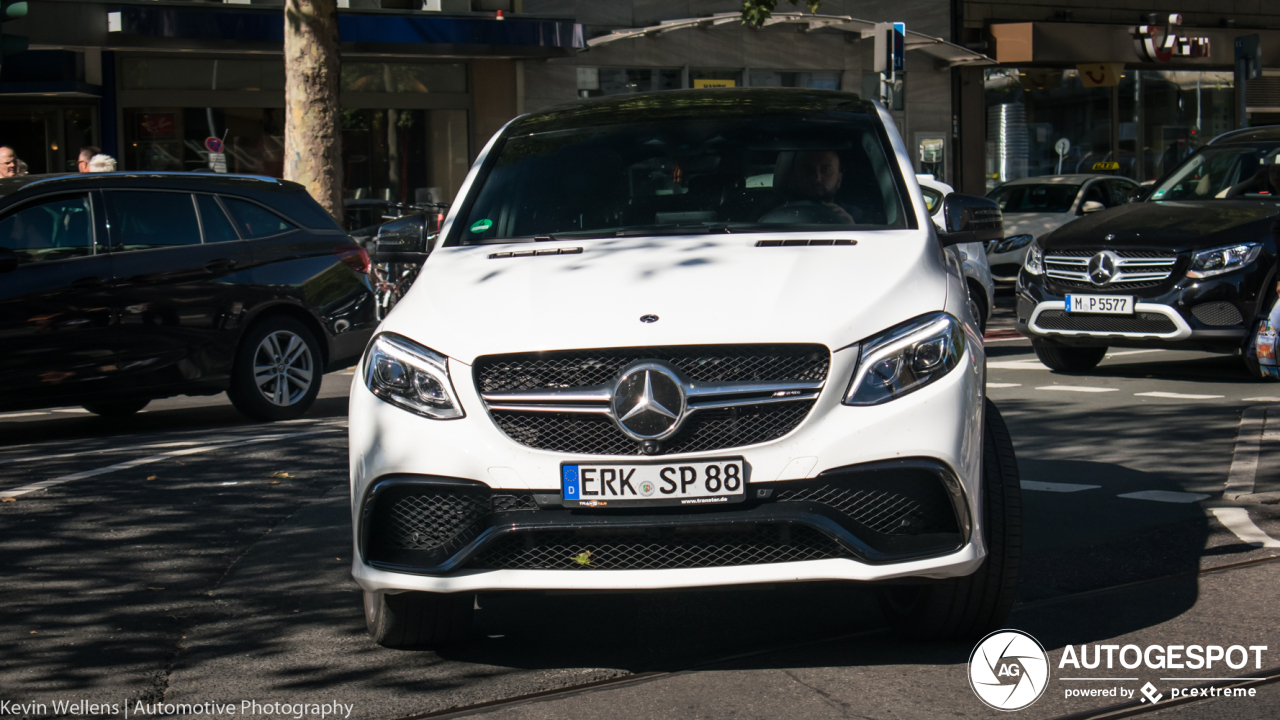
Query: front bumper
(939, 426)
(1172, 316)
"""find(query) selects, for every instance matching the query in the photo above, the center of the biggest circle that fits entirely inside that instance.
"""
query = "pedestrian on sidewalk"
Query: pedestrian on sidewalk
(86, 154)
(102, 163)
(8, 162)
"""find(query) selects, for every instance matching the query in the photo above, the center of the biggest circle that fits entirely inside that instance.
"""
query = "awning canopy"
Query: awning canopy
(947, 54)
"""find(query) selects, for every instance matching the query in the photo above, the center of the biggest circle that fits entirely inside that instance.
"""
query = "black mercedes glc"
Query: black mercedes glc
(119, 288)
(1191, 267)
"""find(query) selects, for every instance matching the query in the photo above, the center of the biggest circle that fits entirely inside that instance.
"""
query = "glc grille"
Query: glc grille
(1134, 268)
(561, 401)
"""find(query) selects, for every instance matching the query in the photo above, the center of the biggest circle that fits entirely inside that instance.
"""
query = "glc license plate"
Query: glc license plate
(687, 482)
(1100, 304)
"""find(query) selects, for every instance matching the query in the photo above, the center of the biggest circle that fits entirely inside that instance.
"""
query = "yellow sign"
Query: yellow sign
(1100, 166)
(1100, 74)
(714, 83)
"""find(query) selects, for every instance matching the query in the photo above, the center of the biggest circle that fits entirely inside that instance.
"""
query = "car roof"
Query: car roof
(691, 104)
(1061, 179)
(1266, 133)
(212, 182)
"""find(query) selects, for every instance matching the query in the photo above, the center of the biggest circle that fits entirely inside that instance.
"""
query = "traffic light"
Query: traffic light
(11, 44)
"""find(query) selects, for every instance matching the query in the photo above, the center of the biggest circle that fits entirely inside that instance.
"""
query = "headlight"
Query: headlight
(412, 377)
(1034, 263)
(905, 358)
(1011, 243)
(1208, 263)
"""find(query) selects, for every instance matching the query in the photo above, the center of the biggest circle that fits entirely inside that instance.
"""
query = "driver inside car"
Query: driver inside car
(1265, 181)
(814, 178)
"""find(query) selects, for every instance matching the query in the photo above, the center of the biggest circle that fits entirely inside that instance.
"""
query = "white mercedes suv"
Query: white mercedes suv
(624, 367)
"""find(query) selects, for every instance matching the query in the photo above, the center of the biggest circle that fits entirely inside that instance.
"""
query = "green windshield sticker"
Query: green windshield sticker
(480, 226)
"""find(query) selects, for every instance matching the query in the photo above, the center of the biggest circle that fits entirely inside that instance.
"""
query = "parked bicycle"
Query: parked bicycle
(398, 248)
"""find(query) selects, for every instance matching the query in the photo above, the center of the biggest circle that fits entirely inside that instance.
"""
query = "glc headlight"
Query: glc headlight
(1208, 263)
(1011, 243)
(1034, 263)
(905, 358)
(412, 377)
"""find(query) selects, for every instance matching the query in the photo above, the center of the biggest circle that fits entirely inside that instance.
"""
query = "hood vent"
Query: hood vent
(531, 253)
(803, 243)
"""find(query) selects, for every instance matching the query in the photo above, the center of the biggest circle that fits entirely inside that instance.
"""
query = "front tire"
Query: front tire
(417, 619)
(1068, 359)
(116, 408)
(970, 607)
(277, 370)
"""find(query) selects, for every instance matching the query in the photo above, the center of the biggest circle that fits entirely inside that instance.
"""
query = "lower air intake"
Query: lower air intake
(1217, 314)
(1145, 323)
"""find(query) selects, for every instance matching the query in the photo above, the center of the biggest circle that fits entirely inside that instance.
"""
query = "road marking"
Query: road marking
(1178, 396)
(1263, 399)
(5, 416)
(1003, 385)
(1165, 496)
(1244, 458)
(1132, 352)
(1055, 487)
(1237, 521)
(1016, 365)
(74, 411)
(1078, 388)
(128, 464)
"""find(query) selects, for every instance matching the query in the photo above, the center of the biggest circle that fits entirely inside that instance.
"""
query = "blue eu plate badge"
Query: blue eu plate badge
(569, 481)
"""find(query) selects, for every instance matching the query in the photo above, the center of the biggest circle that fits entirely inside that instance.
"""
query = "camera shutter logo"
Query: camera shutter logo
(1008, 670)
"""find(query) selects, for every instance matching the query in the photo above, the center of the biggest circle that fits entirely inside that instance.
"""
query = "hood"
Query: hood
(704, 289)
(1169, 225)
(1033, 224)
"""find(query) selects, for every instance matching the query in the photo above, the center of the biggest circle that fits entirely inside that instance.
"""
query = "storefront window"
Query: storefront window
(812, 80)
(173, 139)
(1045, 122)
(403, 78)
(597, 82)
(405, 156)
(141, 73)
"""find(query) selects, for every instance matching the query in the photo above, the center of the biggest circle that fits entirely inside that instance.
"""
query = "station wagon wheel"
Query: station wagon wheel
(277, 370)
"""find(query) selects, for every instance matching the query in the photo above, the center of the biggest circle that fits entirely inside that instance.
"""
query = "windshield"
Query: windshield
(1035, 198)
(1222, 173)
(781, 173)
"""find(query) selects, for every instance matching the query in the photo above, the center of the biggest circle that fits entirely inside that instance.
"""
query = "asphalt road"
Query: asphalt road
(189, 556)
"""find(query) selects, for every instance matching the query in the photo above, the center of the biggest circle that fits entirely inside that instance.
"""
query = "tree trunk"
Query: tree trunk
(313, 111)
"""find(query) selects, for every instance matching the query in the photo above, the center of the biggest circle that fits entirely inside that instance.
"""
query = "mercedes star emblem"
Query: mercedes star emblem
(649, 401)
(1102, 267)
(648, 318)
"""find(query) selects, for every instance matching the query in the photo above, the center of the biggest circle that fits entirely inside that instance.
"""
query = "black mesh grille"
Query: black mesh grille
(1025, 308)
(1217, 313)
(711, 363)
(904, 508)
(1078, 285)
(513, 503)
(598, 435)
(1120, 253)
(436, 519)
(1142, 322)
(628, 549)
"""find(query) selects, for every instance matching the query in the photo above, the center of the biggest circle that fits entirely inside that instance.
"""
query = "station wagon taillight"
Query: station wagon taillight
(355, 257)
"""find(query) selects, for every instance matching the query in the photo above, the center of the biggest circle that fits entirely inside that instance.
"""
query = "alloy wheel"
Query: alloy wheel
(283, 368)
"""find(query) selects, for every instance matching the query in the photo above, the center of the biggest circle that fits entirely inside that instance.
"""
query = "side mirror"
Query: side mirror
(970, 218)
(1140, 193)
(402, 240)
(8, 260)
(1091, 206)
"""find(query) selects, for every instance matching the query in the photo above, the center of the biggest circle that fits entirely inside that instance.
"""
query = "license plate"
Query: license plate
(1100, 304)
(691, 482)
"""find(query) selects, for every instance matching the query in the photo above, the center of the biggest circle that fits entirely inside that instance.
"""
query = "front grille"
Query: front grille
(1144, 322)
(1135, 269)
(702, 432)
(657, 549)
(1217, 313)
(710, 364)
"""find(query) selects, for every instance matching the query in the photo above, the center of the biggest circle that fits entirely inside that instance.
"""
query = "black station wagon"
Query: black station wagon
(119, 288)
